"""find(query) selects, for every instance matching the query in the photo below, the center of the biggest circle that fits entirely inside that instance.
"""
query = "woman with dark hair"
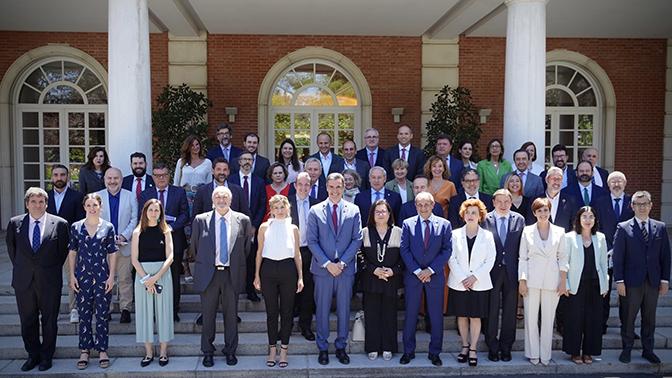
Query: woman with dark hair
(440, 185)
(493, 167)
(352, 184)
(520, 204)
(277, 173)
(588, 283)
(534, 167)
(466, 151)
(152, 255)
(91, 174)
(381, 277)
(288, 157)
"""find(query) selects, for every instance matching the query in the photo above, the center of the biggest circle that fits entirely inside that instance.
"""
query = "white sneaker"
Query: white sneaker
(387, 356)
(74, 316)
(373, 356)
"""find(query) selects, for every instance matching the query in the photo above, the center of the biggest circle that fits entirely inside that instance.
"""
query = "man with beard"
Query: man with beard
(67, 204)
(260, 164)
(139, 181)
(560, 156)
(585, 192)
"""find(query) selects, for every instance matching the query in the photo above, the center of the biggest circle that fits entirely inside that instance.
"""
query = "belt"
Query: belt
(220, 267)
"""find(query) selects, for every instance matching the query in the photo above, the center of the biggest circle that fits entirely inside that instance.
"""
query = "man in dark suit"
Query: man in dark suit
(372, 153)
(366, 198)
(600, 175)
(331, 162)
(471, 181)
(533, 185)
(409, 209)
(37, 245)
(563, 206)
(444, 145)
(584, 191)
(351, 161)
(560, 156)
(405, 151)
(334, 237)
(176, 210)
(260, 164)
(507, 227)
(641, 272)
(300, 203)
(221, 241)
(425, 248)
(318, 187)
(139, 181)
(220, 176)
(224, 148)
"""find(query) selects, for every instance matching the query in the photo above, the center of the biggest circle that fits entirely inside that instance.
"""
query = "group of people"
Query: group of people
(461, 238)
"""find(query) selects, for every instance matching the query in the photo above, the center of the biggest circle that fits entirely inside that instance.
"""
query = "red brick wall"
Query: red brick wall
(237, 64)
(636, 68)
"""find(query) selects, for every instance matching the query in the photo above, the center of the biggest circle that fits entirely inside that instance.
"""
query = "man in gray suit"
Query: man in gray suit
(120, 207)
(533, 185)
(334, 236)
(221, 241)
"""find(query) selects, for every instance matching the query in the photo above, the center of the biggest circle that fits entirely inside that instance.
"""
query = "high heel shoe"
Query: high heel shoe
(462, 357)
(271, 362)
(283, 364)
(473, 361)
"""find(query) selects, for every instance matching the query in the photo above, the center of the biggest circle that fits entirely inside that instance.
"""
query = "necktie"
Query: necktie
(372, 161)
(502, 230)
(586, 199)
(426, 236)
(138, 188)
(223, 243)
(313, 192)
(246, 189)
(162, 198)
(334, 217)
(377, 196)
(36, 237)
(403, 154)
(645, 233)
(617, 207)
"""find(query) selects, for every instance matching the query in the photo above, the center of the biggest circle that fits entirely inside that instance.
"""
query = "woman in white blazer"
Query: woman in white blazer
(542, 275)
(469, 281)
(588, 283)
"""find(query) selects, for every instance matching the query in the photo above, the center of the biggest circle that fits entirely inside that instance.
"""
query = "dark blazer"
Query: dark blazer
(566, 211)
(635, 260)
(363, 154)
(363, 201)
(72, 208)
(436, 256)
(129, 183)
(508, 252)
(571, 176)
(215, 152)
(363, 168)
(454, 207)
(608, 219)
(203, 244)
(203, 200)
(409, 210)
(415, 157)
(294, 212)
(257, 203)
(44, 267)
(337, 163)
(598, 193)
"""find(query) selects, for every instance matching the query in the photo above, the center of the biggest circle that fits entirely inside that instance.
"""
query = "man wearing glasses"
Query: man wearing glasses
(642, 273)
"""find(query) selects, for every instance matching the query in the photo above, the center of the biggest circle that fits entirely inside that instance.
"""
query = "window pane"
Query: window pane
(76, 137)
(282, 121)
(63, 94)
(52, 154)
(31, 137)
(50, 120)
(564, 75)
(37, 79)
(30, 119)
(579, 83)
(31, 154)
(51, 137)
(558, 97)
(71, 71)
(97, 137)
(96, 120)
(54, 71)
(97, 96)
(550, 75)
(587, 98)
(302, 121)
(88, 81)
(31, 171)
(76, 120)
(77, 155)
(566, 122)
(28, 95)
(313, 96)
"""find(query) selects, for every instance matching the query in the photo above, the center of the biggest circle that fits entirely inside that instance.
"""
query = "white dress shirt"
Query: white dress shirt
(226, 218)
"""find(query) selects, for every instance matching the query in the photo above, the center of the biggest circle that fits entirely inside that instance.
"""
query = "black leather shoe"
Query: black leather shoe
(231, 359)
(406, 358)
(493, 356)
(624, 357)
(30, 364)
(253, 297)
(208, 361)
(649, 356)
(308, 334)
(323, 357)
(199, 320)
(46, 365)
(435, 359)
(505, 356)
(125, 317)
(342, 356)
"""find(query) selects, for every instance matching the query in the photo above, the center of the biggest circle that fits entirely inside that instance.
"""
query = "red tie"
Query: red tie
(138, 188)
(246, 188)
(371, 161)
(334, 218)
(426, 238)
(403, 154)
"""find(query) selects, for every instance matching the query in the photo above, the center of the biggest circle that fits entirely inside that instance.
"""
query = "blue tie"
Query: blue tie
(223, 243)
(617, 207)
(36, 237)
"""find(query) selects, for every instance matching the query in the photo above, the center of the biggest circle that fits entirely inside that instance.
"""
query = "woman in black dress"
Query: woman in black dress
(381, 278)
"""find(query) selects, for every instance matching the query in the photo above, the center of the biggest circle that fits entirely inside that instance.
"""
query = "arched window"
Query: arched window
(61, 114)
(311, 97)
(573, 104)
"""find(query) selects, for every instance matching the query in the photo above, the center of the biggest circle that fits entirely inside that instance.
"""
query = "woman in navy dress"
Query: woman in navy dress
(92, 263)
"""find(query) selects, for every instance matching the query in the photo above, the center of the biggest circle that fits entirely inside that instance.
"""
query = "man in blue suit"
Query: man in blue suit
(351, 161)
(224, 148)
(425, 248)
(471, 181)
(139, 181)
(331, 162)
(334, 235)
(533, 185)
(444, 145)
(260, 164)
(176, 210)
(405, 151)
(408, 209)
(584, 191)
(641, 272)
(366, 198)
(372, 153)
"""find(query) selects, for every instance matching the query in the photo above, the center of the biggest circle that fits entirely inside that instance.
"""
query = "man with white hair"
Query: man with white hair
(365, 199)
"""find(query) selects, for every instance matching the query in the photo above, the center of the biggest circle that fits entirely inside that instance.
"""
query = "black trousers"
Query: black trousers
(220, 287)
(179, 245)
(278, 286)
(380, 323)
(305, 301)
(644, 298)
(504, 293)
(39, 305)
(583, 320)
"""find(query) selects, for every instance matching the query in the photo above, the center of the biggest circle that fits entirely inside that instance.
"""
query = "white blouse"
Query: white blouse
(279, 240)
(193, 176)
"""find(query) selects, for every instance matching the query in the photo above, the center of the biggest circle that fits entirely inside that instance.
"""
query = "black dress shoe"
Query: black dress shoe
(342, 356)
(624, 357)
(125, 317)
(208, 361)
(435, 359)
(308, 334)
(46, 365)
(323, 357)
(30, 364)
(505, 356)
(199, 320)
(406, 358)
(649, 356)
(493, 356)
(253, 297)
(231, 359)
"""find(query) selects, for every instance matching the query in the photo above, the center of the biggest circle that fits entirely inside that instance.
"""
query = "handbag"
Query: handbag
(358, 327)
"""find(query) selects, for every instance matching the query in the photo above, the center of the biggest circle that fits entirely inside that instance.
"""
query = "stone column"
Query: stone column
(524, 83)
(129, 96)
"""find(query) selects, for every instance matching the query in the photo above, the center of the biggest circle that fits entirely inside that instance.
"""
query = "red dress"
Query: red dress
(270, 192)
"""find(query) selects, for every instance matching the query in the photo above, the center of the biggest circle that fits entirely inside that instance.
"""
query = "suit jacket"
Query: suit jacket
(394, 186)
(363, 154)
(128, 216)
(363, 201)
(203, 200)
(203, 243)
(541, 265)
(129, 183)
(609, 220)
(409, 210)
(363, 168)
(480, 263)
(534, 186)
(176, 210)
(414, 156)
(435, 256)
(597, 194)
(635, 260)
(257, 204)
(507, 253)
(575, 253)
(72, 208)
(325, 243)
(455, 203)
(567, 209)
(215, 152)
(337, 163)
(43, 268)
